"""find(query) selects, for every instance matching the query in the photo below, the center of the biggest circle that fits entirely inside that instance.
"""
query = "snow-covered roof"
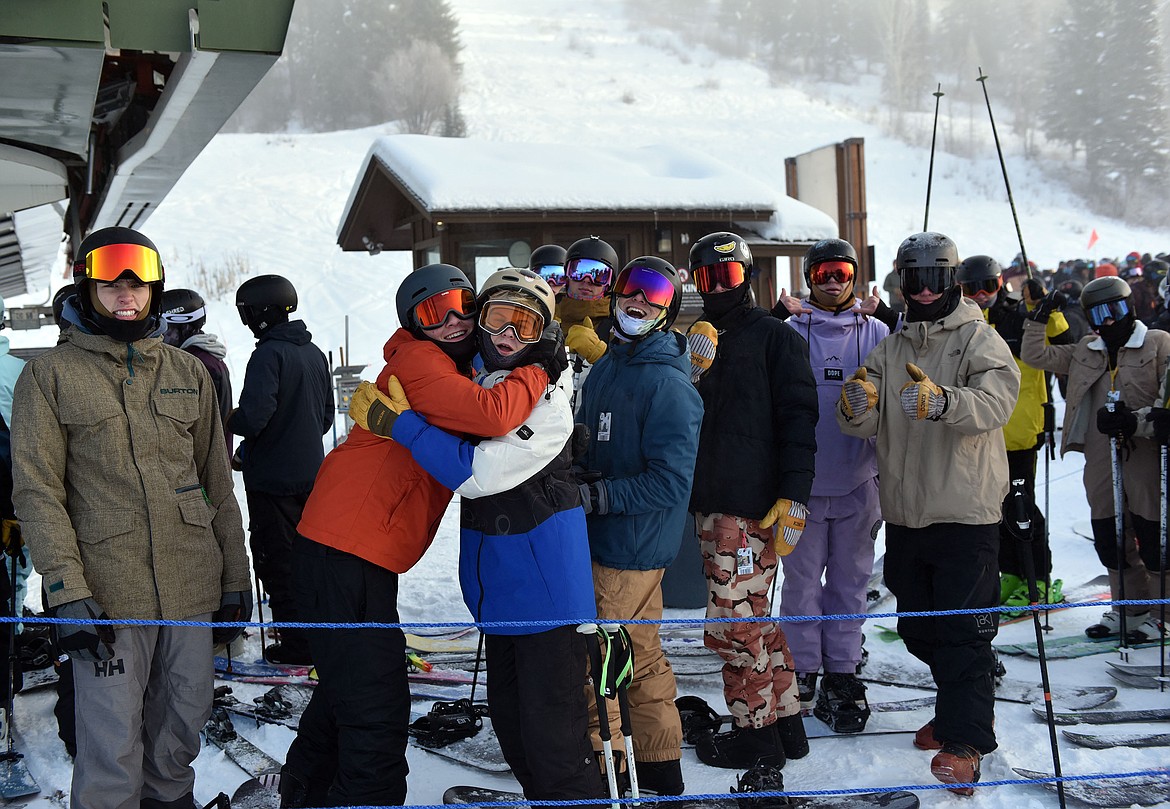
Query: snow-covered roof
(465, 175)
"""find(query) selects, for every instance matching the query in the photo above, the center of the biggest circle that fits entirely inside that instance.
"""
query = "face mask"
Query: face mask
(717, 304)
(1117, 334)
(632, 326)
(946, 303)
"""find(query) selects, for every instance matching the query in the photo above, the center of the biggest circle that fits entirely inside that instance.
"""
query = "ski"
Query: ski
(865, 800)
(1144, 664)
(257, 793)
(1118, 740)
(1145, 790)
(1069, 647)
(462, 640)
(1135, 680)
(220, 732)
(1067, 697)
(1105, 717)
(424, 685)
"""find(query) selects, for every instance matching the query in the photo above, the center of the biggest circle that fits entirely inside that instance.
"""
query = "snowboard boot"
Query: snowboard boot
(790, 729)
(924, 738)
(806, 684)
(1009, 583)
(760, 778)
(1019, 598)
(740, 748)
(660, 777)
(295, 792)
(1144, 628)
(1108, 627)
(957, 763)
(841, 703)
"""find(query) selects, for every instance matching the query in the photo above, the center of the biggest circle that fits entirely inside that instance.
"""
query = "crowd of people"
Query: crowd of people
(580, 430)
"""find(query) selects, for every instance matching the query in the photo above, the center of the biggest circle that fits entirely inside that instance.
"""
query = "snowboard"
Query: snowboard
(1117, 740)
(424, 685)
(865, 800)
(1144, 790)
(220, 731)
(256, 794)
(885, 718)
(1068, 647)
(1066, 697)
(481, 751)
(465, 639)
(1105, 717)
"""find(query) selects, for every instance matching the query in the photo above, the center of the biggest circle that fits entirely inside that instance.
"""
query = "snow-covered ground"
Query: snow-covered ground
(559, 71)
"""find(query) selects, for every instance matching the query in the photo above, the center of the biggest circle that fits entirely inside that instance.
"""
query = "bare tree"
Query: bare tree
(418, 86)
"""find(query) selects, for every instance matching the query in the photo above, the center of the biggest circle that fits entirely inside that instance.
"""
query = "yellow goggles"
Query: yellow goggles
(109, 262)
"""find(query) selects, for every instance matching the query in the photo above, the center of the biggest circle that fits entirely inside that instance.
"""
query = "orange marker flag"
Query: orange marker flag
(1092, 239)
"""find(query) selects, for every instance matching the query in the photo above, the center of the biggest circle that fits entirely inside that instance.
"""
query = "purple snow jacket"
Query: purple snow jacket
(837, 345)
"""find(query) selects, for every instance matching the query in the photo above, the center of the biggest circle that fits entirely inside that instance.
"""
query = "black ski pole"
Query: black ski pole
(260, 613)
(622, 659)
(1162, 566)
(1003, 167)
(1049, 454)
(592, 633)
(1022, 516)
(938, 94)
(1118, 520)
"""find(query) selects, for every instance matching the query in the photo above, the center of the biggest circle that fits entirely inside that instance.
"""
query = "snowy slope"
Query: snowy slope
(557, 71)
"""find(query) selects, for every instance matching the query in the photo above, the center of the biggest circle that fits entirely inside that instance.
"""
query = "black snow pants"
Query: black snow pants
(272, 525)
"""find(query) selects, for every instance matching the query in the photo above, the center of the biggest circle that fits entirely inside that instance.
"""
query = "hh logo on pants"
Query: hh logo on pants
(109, 668)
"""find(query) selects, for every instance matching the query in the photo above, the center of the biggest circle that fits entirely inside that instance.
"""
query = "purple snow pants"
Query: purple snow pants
(838, 543)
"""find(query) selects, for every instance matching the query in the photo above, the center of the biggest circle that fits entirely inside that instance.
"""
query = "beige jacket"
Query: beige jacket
(955, 469)
(121, 479)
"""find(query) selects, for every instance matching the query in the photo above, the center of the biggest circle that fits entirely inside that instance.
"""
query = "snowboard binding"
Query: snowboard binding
(841, 703)
(761, 778)
(699, 719)
(448, 722)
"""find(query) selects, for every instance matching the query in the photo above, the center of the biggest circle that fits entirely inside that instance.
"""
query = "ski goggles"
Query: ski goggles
(728, 274)
(988, 286)
(432, 312)
(826, 271)
(185, 317)
(1113, 310)
(936, 279)
(526, 322)
(589, 269)
(551, 273)
(109, 262)
(656, 288)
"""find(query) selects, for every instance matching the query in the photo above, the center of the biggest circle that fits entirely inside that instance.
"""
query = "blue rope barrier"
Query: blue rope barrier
(408, 626)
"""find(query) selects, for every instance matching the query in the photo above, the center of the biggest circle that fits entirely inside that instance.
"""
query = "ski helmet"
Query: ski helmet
(422, 284)
(184, 312)
(1071, 289)
(1108, 298)
(106, 255)
(516, 299)
(828, 250)
(59, 298)
(590, 259)
(660, 284)
(524, 281)
(1155, 268)
(265, 301)
(721, 248)
(980, 277)
(593, 248)
(928, 260)
(547, 255)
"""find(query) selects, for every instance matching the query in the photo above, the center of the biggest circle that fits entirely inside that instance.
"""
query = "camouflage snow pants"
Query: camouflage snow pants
(759, 680)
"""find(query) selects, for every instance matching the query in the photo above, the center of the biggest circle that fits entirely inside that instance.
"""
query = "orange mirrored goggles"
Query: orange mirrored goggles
(431, 312)
(729, 274)
(109, 262)
(499, 315)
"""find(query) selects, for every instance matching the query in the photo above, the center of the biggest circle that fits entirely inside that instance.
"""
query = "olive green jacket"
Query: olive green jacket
(121, 479)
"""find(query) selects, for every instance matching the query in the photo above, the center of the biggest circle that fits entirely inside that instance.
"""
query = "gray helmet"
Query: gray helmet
(1105, 289)
(927, 250)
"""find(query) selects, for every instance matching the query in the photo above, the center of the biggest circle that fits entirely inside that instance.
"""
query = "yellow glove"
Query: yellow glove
(858, 395)
(702, 340)
(921, 398)
(375, 411)
(788, 516)
(10, 536)
(583, 341)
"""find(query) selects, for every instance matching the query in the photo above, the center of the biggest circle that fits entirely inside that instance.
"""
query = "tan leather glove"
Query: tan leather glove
(583, 341)
(702, 339)
(789, 517)
(375, 411)
(921, 398)
(858, 395)
(11, 537)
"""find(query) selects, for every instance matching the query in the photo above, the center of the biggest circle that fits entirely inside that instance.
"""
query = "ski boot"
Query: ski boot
(1107, 627)
(1144, 629)
(924, 738)
(957, 763)
(761, 778)
(1009, 585)
(841, 703)
(806, 684)
(660, 777)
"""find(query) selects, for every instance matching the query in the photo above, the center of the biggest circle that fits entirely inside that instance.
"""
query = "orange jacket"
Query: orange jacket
(370, 498)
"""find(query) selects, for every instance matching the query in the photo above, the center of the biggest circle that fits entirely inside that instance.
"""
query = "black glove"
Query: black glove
(1120, 423)
(1034, 288)
(1160, 418)
(233, 608)
(1048, 304)
(594, 494)
(84, 641)
(580, 445)
(549, 352)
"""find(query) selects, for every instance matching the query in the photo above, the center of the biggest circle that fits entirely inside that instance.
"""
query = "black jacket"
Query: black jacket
(758, 438)
(286, 405)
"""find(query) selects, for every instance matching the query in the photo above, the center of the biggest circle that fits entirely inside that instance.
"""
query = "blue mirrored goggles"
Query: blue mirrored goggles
(588, 269)
(1112, 310)
(552, 273)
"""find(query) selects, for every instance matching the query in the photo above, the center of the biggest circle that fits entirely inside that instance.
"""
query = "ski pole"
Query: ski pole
(938, 94)
(1003, 167)
(621, 657)
(1023, 520)
(592, 632)
(260, 613)
(1162, 566)
(1049, 454)
(1118, 517)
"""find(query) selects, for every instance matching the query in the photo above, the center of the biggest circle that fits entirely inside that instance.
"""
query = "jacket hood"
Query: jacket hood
(206, 342)
(659, 348)
(71, 315)
(841, 320)
(918, 332)
(291, 331)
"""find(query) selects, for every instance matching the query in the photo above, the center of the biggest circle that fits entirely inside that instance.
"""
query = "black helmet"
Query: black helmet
(1071, 289)
(829, 250)
(594, 248)
(184, 313)
(1156, 269)
(146, 266)
(59, 298)
(927, 250)
(422, 284)
(265, 301)
(1106, 289)
(978, 268)
(547, 255)
(657, 266)
(715, 248)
